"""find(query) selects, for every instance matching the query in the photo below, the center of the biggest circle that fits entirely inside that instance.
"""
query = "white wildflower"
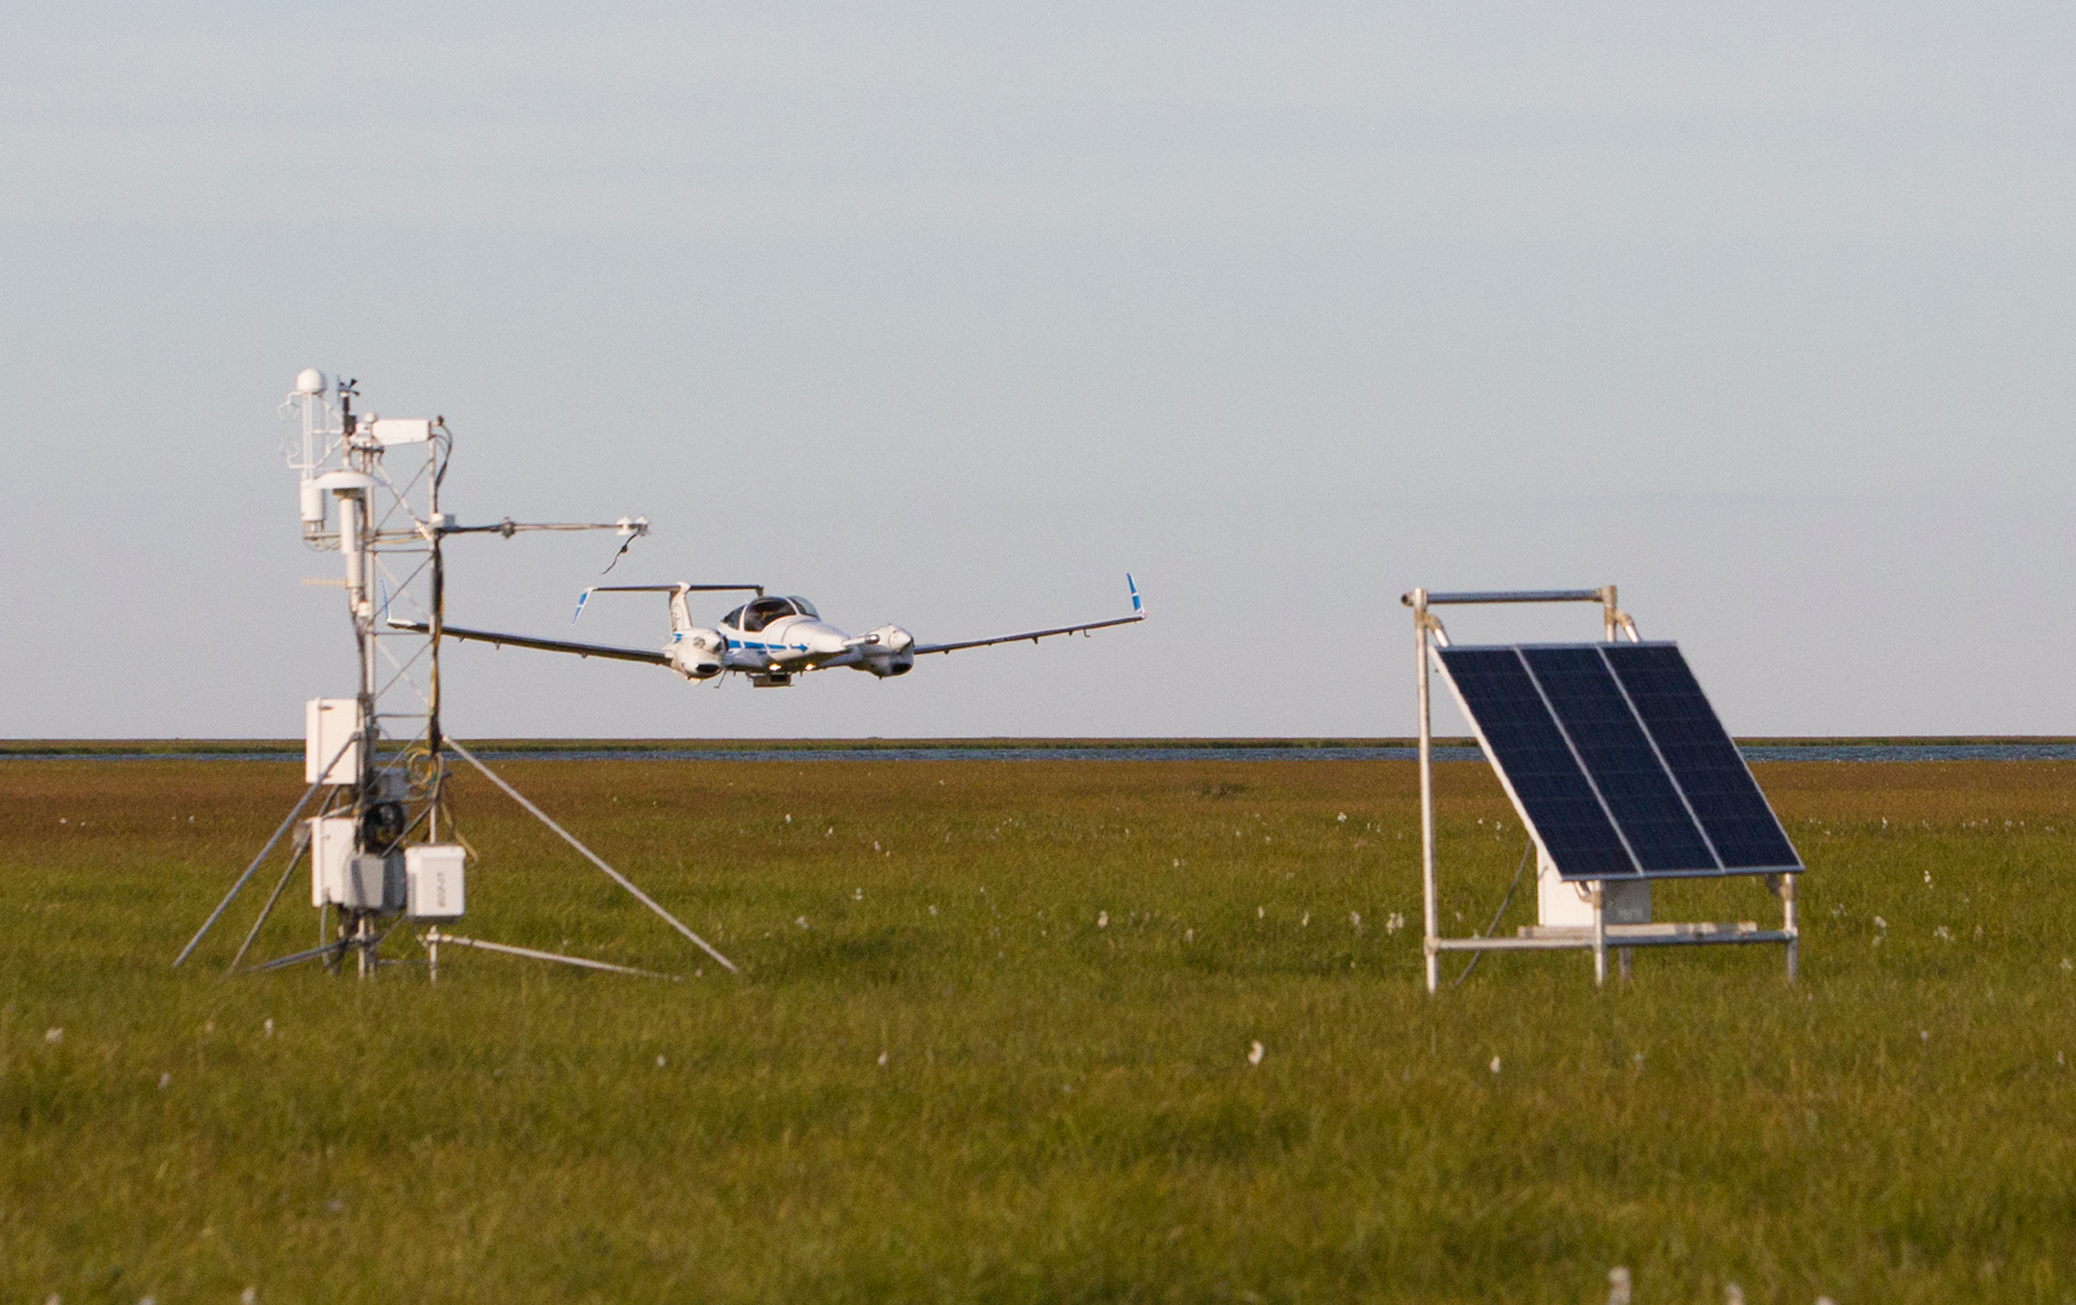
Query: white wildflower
(882, 1060)
(1344, 817)
(267, 1029)
(1618, 1286)
(165, 1080)
(1733, 1294)
(1102, 919)
(660, 1061)
(1254, 1053)
(800, 920)
(54, 1036)
(1495, 1064)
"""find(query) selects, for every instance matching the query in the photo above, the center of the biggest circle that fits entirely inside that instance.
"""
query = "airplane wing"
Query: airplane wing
(1034, 636)
(545, 645)
(1138, 614)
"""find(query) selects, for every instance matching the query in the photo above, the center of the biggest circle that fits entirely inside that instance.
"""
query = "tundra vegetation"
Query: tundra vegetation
(1042, 1031)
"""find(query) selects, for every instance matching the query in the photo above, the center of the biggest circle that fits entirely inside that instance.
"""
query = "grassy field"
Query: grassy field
(991, 1043)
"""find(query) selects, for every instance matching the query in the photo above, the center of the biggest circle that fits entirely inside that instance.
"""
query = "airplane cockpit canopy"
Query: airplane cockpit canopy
(752, 617)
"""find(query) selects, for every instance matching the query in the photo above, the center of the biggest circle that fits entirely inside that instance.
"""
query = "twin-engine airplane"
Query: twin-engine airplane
(770, 639)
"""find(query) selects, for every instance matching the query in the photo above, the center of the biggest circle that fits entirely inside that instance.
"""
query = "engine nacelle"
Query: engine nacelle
(696, 654)
(891, 652)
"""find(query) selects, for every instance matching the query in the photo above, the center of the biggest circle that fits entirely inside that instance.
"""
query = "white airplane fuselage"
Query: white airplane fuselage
(772, 639)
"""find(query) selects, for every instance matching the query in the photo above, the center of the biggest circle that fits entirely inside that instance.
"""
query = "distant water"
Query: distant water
(1859, 752)
(1911, 752)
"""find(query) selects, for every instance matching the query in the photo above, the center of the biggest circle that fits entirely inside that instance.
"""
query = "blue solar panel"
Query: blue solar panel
(1532, 755)
(1706, 764)
(1619, 759)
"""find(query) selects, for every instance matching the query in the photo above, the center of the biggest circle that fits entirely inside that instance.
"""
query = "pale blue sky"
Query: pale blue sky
(951, 315)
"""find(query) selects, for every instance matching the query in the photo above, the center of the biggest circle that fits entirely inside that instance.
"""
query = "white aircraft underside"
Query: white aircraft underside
(770, 639)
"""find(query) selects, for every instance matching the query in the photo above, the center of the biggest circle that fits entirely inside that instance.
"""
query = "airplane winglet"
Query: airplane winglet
(583, 598)
(1138, 608)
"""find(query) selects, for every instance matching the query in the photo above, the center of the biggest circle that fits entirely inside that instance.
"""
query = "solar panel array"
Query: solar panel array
(1617, 761)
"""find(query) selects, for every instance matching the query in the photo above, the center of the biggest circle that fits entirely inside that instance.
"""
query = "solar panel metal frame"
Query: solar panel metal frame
(1603, 936)
(1719, 868)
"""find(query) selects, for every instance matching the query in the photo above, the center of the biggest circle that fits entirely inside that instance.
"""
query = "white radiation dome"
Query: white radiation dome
(310, 381)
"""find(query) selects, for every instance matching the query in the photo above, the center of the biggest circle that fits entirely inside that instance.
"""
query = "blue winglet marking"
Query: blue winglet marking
(582, 598)
(1138, 608)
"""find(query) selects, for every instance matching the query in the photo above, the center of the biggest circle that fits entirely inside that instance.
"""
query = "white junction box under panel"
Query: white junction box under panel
(329, 726)
(433, 881)
(1562, 904)
(331, 846)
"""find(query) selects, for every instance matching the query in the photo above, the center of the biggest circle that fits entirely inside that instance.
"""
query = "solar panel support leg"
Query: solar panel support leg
(1787, 911)
(1430, 912)
(1599, 937)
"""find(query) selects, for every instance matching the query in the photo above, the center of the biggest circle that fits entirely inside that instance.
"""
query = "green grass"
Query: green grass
(1066, 1111)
